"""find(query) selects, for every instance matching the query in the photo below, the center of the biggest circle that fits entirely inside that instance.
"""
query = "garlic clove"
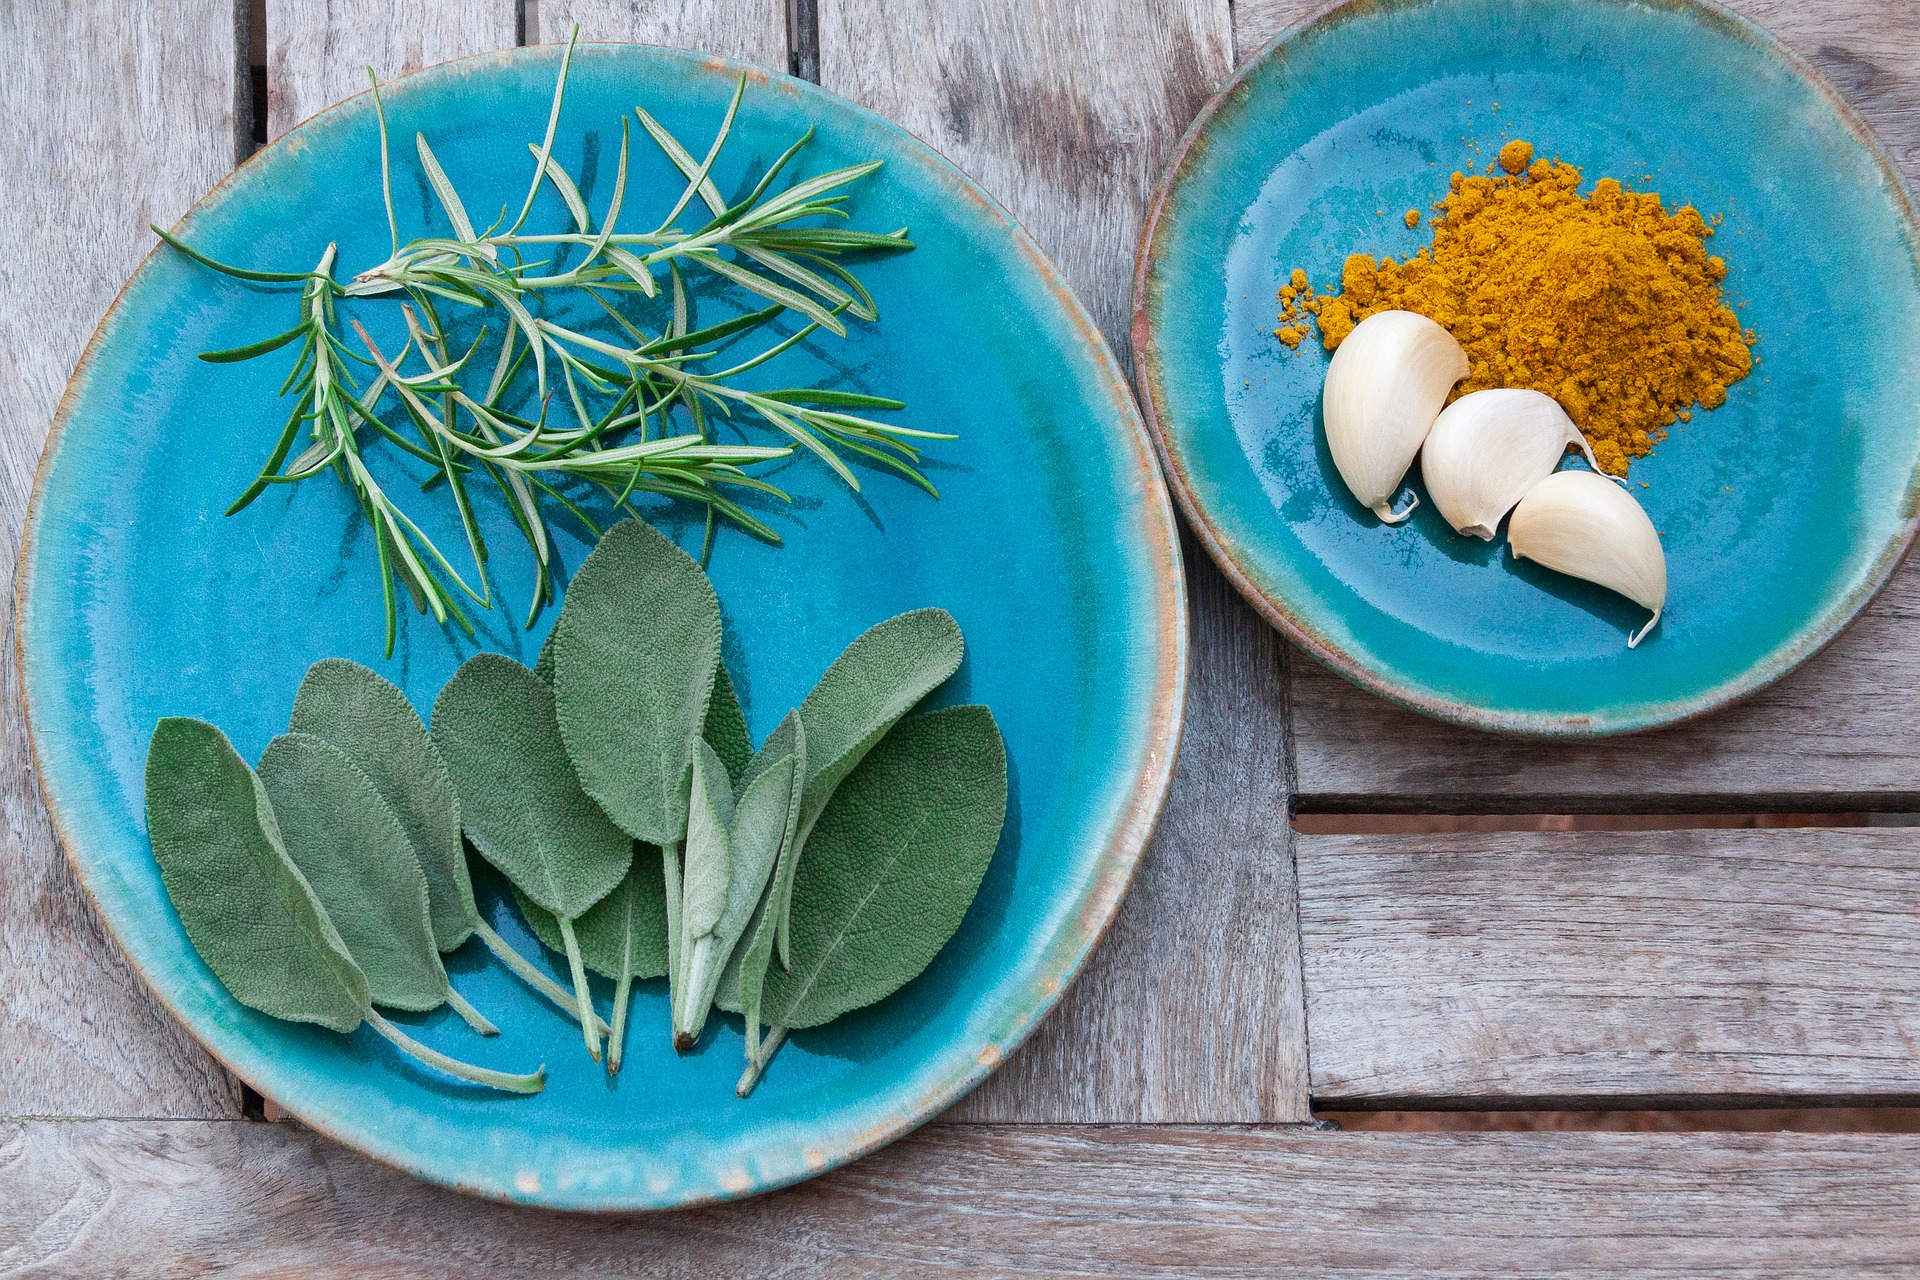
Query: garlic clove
(1386, 384)
(1488, 448)
(1583, 524)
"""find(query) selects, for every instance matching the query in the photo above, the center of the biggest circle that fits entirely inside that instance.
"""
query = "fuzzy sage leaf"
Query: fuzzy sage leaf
(705, 876)
(726, 725)
(893, 864)
(521, 804)
(762, 829)
(353, 850)
(372, 724)
(246, 908)
(634, 655)
(877, 679)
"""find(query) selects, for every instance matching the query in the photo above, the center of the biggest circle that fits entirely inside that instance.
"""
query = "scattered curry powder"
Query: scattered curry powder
(1606, 302)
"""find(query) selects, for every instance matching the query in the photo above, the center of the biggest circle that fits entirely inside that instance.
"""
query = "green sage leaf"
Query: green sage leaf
(520, 802)
(624, 935)
(245, 906)
(892, 866)
(635, 649)
(740, 984)
(375, 726)
(877, 679)
(354, 853)
(762, 821)
(707, 869)
(726, 726)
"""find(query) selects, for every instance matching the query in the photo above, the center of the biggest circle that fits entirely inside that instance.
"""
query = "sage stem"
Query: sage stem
(587, 1018)
(617, 1038)
(531, 1082)
(527, 973)
(474, 1018)
(776, 1036)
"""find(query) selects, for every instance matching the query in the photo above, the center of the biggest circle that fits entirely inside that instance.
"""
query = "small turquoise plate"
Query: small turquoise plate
(1052, 544)
(1782, 513)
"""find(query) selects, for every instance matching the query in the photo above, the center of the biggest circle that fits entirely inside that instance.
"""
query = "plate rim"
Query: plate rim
(1086, 918)
(1637, 717)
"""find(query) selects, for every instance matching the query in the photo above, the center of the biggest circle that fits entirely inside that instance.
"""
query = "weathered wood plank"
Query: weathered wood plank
(1190, 1009)
(113, 116)
(1065, 112)
(1257, 21)
(751, 30)
(1680, 966)
(318, 51)
(1841, 733)
(163, 1200)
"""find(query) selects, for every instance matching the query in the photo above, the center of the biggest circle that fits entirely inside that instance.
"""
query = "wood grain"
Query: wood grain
(1065, 111)
(1190, 1009)
(1843, 732)
(1683, 967)
(751, 30)
(1257, 21)
(114, 116)
(163, 1200)
(318, 51)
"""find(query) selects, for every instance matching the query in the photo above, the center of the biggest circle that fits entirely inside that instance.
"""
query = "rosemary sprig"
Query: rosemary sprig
(634, 416)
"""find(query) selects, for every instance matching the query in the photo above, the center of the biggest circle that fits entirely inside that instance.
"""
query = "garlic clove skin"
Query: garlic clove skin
(1583, 524)
(1488, 448)
(1386, 384)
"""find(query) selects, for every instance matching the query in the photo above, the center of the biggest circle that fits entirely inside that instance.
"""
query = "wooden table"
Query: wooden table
(1162, 1121)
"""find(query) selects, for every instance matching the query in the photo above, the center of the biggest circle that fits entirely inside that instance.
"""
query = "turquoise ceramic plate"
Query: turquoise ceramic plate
(1052, 544)
(1783, 512)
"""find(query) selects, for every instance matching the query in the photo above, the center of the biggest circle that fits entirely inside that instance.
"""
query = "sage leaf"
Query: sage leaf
(893, 864)
(622, 937)
(543, 665)
(375, 726)
(247, 909)
(703, 882)
(877, 679)
(352, 849)
(726, 726)
(522, 806)
(244, 904)
(763, 821)
(707, 868)
(746, 971)
(634, 654)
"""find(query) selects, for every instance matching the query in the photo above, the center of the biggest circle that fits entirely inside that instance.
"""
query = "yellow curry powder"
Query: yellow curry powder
(1606, 302)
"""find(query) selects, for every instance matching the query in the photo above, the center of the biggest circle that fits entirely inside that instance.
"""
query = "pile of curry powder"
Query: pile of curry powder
(1606, 302)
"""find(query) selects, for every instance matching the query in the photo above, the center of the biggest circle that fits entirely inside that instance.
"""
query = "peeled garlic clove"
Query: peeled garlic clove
(1386, 385)
(1487, 449)
(1580, 523)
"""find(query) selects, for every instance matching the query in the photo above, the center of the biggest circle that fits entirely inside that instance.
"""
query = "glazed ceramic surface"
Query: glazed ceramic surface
(1781, 513)
(1052, 544)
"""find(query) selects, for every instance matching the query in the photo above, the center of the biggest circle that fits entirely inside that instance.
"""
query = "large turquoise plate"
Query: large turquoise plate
(1053, 544)
(1782, 513)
